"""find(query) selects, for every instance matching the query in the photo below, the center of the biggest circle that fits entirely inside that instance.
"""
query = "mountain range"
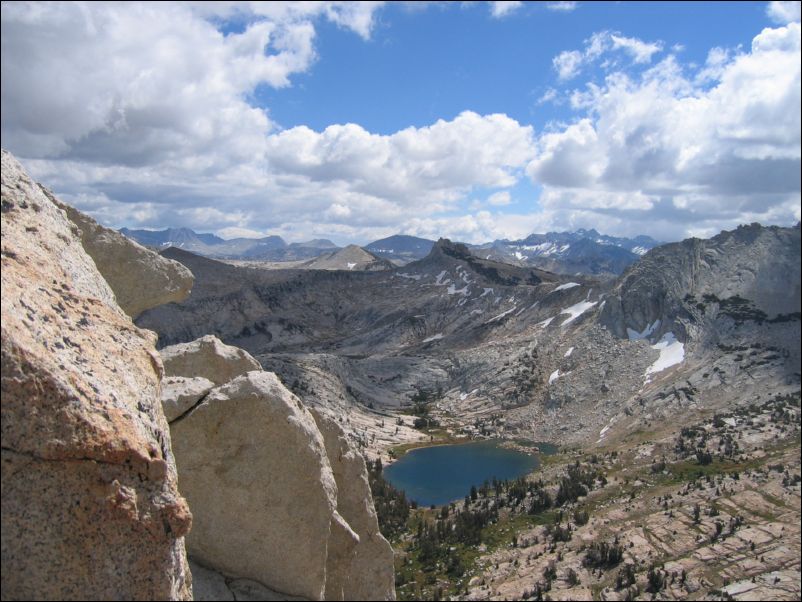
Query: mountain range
(489, 334)
(271, 248)
(579, 252)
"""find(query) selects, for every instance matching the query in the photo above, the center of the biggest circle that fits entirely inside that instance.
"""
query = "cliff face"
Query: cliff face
(753, 270)
(90, 504)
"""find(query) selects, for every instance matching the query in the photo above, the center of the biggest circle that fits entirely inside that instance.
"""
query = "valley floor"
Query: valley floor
(707, 512)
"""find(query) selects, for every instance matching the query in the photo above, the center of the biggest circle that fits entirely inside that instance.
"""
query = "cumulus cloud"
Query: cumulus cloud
(139, 113)
(422, 167)
(640, 51)
(504, 8)
(569, 63)
(681, 153)
(783, 12)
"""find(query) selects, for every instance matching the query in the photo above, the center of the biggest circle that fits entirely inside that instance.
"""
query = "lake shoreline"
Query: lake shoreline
(446, 471)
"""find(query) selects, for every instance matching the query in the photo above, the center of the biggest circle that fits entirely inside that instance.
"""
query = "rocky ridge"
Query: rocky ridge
(91, 506)
(512, 351)
(348, 258)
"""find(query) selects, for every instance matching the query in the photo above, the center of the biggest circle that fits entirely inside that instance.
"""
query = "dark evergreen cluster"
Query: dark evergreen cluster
(577, 482)
(392, 507)
(603, 555)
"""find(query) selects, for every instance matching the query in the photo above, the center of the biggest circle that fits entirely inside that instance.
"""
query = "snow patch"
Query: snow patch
(647, 332)
(435, 337)
(569, 352)
(453, 290)
(603, 432)
(487, 291)
(672, 352)
(554, 376)
(477, 311)
(440, 278)
(545, 322)
(576, 310)
(566, 286)
(520, 256)
(350, 265)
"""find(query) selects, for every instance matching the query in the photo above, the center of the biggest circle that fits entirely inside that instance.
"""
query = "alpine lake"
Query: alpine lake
(445, 473)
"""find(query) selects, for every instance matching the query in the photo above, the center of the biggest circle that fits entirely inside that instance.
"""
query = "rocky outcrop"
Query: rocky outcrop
(90, 505)
(351, 258)
(179, 394)
(368, 573)
(280, 497)
(207, 357)
(254, 469)
(140, 278)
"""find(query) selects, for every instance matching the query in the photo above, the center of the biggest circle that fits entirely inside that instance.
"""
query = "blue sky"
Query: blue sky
(424, 65)
(353, 121)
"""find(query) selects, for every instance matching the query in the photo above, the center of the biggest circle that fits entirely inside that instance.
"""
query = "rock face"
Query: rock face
(254, 469)
(369, 574)
(281, 500)
(140, 278)
(90, 506)
(750, 269)
(207, 357)
(179, 394)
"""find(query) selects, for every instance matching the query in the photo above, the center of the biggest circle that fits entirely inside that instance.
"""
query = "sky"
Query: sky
(357, 120)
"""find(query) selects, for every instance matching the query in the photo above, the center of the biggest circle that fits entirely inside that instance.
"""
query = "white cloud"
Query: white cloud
(570, 63)
(133, 83)
(139, 114)
(504, 8)
(783, 12)
(425, 167)
(499, 199)
(640, 51)
(673, 153)
(235, 232)
(338, 211)
(549, 95)
(562, 6)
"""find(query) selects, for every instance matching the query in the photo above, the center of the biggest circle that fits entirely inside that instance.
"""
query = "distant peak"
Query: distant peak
(456, 250)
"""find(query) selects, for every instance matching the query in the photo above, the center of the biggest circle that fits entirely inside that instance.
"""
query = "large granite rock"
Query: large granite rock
(90, 506)
(207, 357)
(140, 278)
(254, 468)
(179, 394)
(368, 574)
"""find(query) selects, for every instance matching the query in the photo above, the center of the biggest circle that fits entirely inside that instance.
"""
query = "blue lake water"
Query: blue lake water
(444, 473)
